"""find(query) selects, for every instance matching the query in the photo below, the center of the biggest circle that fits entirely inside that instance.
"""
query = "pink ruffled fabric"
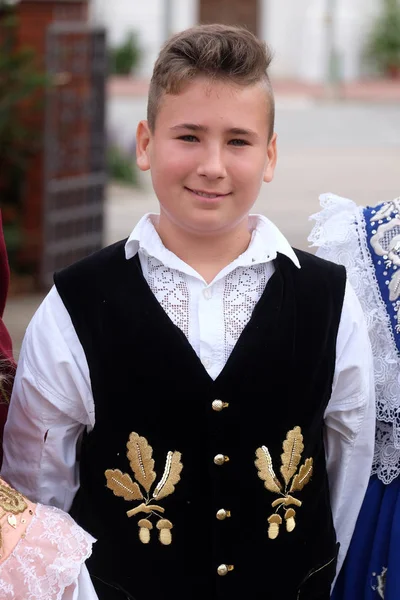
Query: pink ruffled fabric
(43, 563)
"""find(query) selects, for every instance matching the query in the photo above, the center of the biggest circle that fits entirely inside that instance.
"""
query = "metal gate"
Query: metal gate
(74, 146)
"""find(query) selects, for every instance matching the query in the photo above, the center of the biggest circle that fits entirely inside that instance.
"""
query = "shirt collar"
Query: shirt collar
(266, 242)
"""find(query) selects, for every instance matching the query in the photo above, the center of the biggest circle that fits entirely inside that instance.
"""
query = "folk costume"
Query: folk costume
(366, 240)
(219, 426)
(42, 550)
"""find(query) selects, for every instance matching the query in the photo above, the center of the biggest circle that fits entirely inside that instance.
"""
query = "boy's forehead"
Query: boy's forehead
(193, 95)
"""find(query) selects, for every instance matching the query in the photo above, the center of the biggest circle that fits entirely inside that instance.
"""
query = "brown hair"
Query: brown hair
(222, 52)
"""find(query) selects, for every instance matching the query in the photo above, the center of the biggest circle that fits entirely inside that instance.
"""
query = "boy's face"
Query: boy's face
(209, 154)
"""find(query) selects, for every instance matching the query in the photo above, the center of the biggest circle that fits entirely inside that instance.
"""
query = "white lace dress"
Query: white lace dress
(367, 243)
(42, 550)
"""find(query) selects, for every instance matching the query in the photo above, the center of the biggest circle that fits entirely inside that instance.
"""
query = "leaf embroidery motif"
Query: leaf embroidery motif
(292, 449)
(122, 485)
(140, 455)
(303, 476)
(266, 470)
(171, 476)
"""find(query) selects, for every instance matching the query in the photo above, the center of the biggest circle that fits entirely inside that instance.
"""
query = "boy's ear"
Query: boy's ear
(143, 136)
(272, 153)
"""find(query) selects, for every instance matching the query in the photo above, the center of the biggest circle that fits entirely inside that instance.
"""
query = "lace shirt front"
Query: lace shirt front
(367, 242)
(212, 316)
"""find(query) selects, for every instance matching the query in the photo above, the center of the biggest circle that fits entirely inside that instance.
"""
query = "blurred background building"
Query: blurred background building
(302, 34)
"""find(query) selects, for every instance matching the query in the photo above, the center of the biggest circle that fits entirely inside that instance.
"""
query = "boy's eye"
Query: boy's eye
(239, 142)
(188, 138)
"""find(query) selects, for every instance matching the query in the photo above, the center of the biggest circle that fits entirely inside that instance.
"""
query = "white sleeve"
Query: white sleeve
(82, 588)
(50, 407)
(350, 421)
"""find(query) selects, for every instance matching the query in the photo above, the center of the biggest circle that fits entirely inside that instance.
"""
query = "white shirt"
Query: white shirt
(52, 401)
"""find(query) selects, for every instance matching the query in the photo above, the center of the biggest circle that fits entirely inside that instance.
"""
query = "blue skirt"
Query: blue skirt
(372, 567)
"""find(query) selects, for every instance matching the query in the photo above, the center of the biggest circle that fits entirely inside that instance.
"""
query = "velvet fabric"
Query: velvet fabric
(146, 378)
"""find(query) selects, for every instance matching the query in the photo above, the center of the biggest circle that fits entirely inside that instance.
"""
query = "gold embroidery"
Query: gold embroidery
(171, 476)
(144, 532)
(266, 471)
(146, 508)
(122, 485)
(303, 476)
(11, 500)
(292, 450)
(140, 455)
(273, 529)
(165, 535)
(287, 501)
(289, 518)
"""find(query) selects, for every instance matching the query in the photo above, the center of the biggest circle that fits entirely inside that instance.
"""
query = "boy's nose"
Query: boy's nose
(212, 166)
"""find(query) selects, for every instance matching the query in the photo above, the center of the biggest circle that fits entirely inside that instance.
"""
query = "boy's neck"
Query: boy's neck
(206, 254)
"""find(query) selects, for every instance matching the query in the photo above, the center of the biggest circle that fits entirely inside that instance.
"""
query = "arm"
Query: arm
(350, 421)
(50, 407)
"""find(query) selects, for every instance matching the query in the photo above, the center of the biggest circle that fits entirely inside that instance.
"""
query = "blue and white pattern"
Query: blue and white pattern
(367, 242)
(383, 236)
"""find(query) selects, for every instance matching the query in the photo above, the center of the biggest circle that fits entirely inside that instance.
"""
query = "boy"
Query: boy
(205, 360)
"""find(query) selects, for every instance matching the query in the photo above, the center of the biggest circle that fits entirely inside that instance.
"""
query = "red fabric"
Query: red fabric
(5, 340)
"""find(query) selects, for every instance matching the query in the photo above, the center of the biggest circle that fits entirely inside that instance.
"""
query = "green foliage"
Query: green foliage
(125, 58)
(383, 47)
(121, 167)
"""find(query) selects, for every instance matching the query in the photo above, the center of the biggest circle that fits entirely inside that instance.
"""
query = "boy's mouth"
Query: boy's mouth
(208, 195)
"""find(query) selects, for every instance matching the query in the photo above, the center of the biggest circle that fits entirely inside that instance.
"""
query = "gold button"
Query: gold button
(224, 569)
(222, 514)
(218, 405)
(220, 459)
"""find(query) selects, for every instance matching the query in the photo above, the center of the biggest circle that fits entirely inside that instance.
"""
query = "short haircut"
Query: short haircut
(219, 52)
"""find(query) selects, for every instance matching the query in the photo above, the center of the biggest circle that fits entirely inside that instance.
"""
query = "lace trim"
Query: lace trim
(47, 560)
(172, 292)
(341, 237)
(242, 290)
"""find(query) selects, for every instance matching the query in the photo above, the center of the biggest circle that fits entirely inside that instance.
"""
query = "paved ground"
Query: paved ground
(373, 89)
(348, 148)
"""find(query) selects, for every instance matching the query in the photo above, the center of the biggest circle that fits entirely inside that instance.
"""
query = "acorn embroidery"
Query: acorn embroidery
(140, 456)
(290, 458)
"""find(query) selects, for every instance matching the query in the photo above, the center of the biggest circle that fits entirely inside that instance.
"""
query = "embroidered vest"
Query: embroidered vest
(202, 489)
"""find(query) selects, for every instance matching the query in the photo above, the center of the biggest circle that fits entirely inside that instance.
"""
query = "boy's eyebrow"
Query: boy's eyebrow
(191, 126)
(240, 131)
(233, 130)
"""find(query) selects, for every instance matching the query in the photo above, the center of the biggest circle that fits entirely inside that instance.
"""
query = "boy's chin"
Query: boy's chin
(212, 224)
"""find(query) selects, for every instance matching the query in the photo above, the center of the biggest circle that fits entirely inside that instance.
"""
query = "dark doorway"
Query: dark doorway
(230, 12)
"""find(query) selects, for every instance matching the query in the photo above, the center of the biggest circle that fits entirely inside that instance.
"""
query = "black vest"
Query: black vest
(276, 538)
